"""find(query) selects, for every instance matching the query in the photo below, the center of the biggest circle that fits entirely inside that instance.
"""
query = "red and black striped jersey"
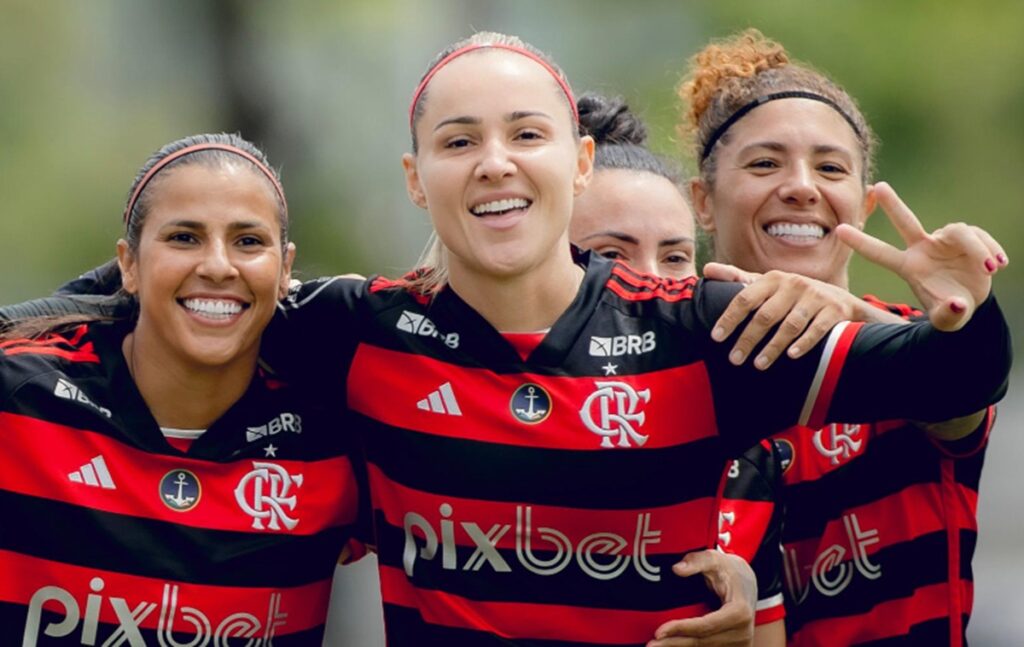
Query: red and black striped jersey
(750, 523)
(543, 500)
(111, 536)
(881, 525)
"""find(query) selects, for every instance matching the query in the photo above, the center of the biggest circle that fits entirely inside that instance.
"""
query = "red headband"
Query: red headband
(195, 149)
(511, 48)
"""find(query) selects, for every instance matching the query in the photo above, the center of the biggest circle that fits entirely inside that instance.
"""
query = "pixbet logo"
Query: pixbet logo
(130, 620)
(622, 345)
(542, 550)
(417, 324)
(833, 568)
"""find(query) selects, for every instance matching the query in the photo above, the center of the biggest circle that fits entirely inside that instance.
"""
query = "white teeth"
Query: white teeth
(499, 206)
(213, 308)
(784, 229)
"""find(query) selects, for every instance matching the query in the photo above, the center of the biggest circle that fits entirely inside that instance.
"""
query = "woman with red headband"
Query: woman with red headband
(160, 488)
(881, 520)
(544, 435)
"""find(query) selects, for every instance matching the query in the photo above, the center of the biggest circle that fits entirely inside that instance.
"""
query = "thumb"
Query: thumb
(726, 272)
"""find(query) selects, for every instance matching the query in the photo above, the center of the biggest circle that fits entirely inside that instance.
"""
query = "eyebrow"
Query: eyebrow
(819, 149)
(466, 120)
(626, 238)
(675, 241)
(235, 226)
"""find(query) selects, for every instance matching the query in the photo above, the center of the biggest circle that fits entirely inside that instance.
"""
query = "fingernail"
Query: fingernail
(956, 307)
(761, 362)
(1002, 259)
(736, 357)
(794, 351)
(990, 265)
(718, 334)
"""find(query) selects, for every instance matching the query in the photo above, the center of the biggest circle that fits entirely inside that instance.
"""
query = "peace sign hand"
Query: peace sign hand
(949, 270)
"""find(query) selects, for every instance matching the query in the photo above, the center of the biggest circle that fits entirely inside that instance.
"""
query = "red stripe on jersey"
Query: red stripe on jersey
(644, 287)
(51, 345)
(829, 369)
(524, 342)
(43, 457)
(954, 514)
(434, 397)
(680, 528)
(983, 432)
(885, 620)
(158, 604)
(773, 611)
(742, 525)
(535, 621)
(898, 518)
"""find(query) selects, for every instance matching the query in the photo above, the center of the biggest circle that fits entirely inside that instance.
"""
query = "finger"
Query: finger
(777, 310)
(746, 301)
(995, 250)
(899, 214)
(726, 272)
(693, 563)
(958, 238)
(733, 616)
(815, 332)
(877, 251)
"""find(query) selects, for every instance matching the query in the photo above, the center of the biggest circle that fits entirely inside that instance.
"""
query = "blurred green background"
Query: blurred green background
(89, 89)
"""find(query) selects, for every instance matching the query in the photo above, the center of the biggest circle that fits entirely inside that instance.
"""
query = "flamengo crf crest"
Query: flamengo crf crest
(611, 412)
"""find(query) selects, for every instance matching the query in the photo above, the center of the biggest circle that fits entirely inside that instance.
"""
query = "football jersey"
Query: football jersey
(542, 501)
(750, 522)
(881, 526)
(113, 537)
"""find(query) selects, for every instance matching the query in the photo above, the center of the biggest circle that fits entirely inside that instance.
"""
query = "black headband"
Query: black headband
(791, 94)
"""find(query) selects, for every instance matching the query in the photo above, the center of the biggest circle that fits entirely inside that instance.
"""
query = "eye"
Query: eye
(530, 134)
(251, 240)
(677, 258)
(763, 164)
(457, 142)
(181, 238)
(832, 168)
(613, 254)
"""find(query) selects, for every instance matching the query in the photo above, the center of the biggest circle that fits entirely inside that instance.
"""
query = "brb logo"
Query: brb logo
(290, 422)
(622, 345)
(265, 492)
(130, 620)
(417, 324)
(833, 569)
(838, 442)
(611, 411)
(601, 555)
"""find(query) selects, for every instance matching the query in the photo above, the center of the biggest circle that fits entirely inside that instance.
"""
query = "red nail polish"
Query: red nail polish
(990, 265)
(1002, 259)
(956, 307)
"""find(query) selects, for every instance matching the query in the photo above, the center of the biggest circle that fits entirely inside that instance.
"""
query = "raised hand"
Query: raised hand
(949, 270)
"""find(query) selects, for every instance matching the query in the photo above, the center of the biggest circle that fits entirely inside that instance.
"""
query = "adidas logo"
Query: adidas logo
(94, 473)
(441, 401)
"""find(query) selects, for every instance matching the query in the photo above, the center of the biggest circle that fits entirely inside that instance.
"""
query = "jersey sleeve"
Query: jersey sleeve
(750, 523)
(314, 333)
(859, 373)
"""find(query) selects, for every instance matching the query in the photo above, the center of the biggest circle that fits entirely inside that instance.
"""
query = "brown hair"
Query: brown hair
(728, 74)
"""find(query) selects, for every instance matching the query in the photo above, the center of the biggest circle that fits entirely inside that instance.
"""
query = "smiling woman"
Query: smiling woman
(177, 464)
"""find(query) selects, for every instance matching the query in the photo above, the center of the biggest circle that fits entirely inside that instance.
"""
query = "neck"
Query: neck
(527, 302)
(180, 396)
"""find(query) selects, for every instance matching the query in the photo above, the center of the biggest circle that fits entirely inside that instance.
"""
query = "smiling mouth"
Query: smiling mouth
(500, 207)
(796, 232)
(218, 309)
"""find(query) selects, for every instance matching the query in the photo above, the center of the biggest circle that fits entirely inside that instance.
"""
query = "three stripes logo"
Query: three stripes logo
(441, 401)
(94, 474)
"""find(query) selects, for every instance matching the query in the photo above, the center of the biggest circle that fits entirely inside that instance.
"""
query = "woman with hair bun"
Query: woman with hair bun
(880, 518)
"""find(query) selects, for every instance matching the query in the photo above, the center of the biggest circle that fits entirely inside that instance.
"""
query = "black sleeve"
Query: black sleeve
(96, 305)
(102, 280)
(859, 373)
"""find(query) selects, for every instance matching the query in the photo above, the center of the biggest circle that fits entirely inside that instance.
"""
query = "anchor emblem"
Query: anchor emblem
(530, 404)
(180, 490)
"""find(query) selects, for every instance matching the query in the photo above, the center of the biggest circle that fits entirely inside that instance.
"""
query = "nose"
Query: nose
(495, 161)
(647, 264)
(216, 264)
(799, 186)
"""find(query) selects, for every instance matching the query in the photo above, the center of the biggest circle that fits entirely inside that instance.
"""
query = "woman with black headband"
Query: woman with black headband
(158, 487)
(880, 522)
(544, 435)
